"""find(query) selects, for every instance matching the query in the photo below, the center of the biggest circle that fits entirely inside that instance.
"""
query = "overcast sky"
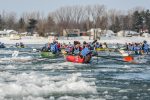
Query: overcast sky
(20, 6)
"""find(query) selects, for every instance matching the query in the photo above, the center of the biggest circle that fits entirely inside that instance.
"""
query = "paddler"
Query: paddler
(77, 48)
(22, 45)
(104, 45)
(145, 47)
(97, 45)
(86, 53)
(54, 48)
(137, 49)
(69, 48)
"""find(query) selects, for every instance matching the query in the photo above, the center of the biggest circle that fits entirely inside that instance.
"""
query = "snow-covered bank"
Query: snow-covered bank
(123, 40)
(25, 40)
(110, 40)
(42, 40)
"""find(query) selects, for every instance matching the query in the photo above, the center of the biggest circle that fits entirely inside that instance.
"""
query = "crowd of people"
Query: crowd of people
(53, 47)
(78, 47)
(138, 48)
(84, 50)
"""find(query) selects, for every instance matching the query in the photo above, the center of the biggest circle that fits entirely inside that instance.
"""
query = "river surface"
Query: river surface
(27, 76)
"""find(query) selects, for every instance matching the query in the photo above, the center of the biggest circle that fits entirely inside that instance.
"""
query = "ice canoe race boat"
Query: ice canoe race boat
(49, 55)
(77, 59)
(102, 49)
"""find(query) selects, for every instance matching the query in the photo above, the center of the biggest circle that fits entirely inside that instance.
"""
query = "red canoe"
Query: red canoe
(75, 59)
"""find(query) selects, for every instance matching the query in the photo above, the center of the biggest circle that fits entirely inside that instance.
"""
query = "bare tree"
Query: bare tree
(9, 20)
(69, 17)
(50, 25)
(21, 25)
(72, 17)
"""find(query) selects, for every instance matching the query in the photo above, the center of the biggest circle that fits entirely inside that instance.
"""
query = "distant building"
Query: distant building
(145, 30)
(7, 33)
(51, 34)
(108, 33)
(94, 33)
(23, 34)
(146, 35)
(127, 33)
(71, 32)
(83, 33)
(3, 34)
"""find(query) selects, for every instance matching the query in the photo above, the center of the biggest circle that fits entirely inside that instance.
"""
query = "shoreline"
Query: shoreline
(43, 40)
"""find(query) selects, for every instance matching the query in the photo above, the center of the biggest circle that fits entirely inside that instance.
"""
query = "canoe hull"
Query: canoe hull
(75, 59)
(49, 55)
(102, 49)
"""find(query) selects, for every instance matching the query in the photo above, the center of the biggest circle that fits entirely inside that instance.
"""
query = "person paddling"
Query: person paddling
(2, 45)
(85, 53)
(54, 48)
(136, 49)
(68, 48)
(145, 47)
(77, 48)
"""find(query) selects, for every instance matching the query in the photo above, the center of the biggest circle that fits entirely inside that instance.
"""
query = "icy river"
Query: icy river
(27, 76)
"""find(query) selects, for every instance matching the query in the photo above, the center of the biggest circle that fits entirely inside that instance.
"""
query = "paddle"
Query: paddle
(94, 41)
(15, 53)
(126, 56)
(105, 57)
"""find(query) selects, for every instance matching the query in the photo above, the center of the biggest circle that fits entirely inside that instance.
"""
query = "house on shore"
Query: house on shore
(71, 32)
(94, 33)
(7, 33)
(127, 33)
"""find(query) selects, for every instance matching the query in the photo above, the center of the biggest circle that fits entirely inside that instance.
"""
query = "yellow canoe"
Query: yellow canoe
(102, 49)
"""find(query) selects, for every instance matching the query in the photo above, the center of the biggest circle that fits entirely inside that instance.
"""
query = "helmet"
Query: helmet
(84, 42)
(145, 41)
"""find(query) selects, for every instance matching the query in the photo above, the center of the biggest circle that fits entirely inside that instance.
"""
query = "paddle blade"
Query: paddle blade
(123, 53)
(128, 59)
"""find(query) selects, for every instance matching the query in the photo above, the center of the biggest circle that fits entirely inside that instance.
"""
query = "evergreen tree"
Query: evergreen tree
(137, 21)
(147, 20)
(21, 24)
(116, 26)
(31, 25)
(126, 23)
(1, 23)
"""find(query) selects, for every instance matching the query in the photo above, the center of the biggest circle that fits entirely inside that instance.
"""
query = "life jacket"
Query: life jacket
(145, 46)
(53, 48)
(76, 50)
(136, 48)
(69, 48)
(131, 47)
(85, 51)
(97, 46)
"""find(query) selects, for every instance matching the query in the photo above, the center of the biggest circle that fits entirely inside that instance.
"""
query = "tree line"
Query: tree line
(77, 17)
